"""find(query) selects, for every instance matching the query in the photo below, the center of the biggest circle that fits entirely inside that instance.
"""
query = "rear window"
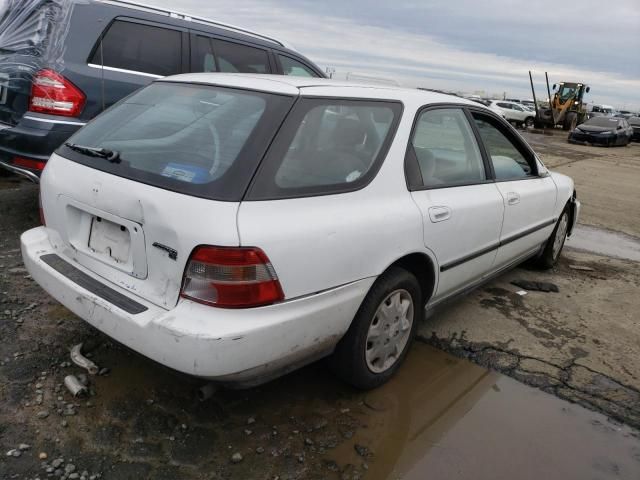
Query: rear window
(199, 140)
(327, 146)
(140, 48)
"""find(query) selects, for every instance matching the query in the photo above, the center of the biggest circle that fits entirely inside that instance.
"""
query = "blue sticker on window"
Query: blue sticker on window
(186, 173)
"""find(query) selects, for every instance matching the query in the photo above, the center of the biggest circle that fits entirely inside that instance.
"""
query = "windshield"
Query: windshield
(634, 121)
(607, 122)
(194, 139)
(566, 92)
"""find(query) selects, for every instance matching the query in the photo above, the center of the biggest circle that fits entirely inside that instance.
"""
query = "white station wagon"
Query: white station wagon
(235, 227)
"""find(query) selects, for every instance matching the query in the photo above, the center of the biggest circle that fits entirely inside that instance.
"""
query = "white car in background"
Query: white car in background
(513, 112)
(235, 227)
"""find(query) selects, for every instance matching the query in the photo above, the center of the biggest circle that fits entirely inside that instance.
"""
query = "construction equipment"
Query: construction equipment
(566, 109)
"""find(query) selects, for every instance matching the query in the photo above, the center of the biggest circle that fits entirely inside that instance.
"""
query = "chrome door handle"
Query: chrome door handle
(513, 198)
(439, 214)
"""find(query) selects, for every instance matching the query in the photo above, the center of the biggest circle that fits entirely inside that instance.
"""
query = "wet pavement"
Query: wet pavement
(447, 418)
(605, 242)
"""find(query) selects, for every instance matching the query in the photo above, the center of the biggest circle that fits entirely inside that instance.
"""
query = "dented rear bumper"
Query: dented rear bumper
(242, 346)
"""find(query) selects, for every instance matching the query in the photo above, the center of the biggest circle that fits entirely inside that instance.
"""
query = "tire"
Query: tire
(356, 359)
(551, 252)
(528, 122)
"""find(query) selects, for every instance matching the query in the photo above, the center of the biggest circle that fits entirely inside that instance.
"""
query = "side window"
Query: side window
(445, 149)
(327, 146)
(237, 58)
(141, 48)
(295, 68)
(507, 159)
(505, 105)
(204, 60)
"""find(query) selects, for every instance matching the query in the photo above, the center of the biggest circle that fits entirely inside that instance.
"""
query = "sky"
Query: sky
(472, 46)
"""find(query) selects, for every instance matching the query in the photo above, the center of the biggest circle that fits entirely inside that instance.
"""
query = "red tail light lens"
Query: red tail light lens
(231, 277)
(52, 93)
(28, 163)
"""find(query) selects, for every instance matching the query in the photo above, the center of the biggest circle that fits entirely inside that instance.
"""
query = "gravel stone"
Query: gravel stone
(236, 457)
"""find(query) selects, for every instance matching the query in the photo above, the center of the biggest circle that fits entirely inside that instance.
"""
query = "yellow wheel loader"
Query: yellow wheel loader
(566, 108)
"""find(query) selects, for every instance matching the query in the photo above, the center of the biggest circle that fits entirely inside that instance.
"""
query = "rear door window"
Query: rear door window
(214, 55)
(140, 48)
(327, 146)
(444, 147)
(200, 140)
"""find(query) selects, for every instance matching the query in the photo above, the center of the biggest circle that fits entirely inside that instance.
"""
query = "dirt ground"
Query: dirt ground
(144, 421)
(607, 179)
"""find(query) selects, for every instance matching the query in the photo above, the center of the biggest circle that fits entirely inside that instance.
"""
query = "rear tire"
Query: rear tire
(528, 122)
(555, 243)
(381, 333)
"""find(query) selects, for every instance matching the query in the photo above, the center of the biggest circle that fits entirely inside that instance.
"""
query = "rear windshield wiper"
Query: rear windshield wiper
(112, 155)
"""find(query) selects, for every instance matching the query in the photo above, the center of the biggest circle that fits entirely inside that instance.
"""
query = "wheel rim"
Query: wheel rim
(561, 233)
(389, 331)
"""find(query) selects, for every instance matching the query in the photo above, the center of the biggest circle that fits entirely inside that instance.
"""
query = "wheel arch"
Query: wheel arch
(423, 267)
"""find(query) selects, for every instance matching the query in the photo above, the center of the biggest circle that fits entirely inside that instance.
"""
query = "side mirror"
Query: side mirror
(588, 89)
(554, 86)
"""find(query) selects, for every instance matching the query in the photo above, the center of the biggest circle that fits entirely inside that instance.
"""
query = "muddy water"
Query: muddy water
(605, 242)
(443, 417)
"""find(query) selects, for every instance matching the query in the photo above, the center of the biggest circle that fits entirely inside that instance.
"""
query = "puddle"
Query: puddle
(443, 417)
(440, 417)
(605, 242)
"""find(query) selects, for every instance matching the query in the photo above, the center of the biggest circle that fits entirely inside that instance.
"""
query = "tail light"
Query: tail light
(28, 163)
(52, 93)
(231, 277)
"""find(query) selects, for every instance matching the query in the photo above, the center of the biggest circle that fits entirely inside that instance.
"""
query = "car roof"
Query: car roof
(316, 87)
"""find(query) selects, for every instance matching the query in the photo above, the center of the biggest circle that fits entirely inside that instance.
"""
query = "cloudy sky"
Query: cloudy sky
(464, 45)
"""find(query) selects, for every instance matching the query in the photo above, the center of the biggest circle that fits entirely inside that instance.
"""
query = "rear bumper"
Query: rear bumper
(243, 347)
(27, 173)
(34, 138)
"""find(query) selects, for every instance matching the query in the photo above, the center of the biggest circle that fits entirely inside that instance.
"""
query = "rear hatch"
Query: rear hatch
(134, 192)
(32, 35)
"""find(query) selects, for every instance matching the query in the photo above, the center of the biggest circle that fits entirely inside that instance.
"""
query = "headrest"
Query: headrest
(349, 132)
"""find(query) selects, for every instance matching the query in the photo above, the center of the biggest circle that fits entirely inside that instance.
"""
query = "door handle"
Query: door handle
(513, 198)
(439, 214)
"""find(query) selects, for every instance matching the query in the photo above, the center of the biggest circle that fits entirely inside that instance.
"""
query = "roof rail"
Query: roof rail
(190, 18)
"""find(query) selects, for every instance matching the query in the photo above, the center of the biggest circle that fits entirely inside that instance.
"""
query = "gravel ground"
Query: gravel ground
(141, 420)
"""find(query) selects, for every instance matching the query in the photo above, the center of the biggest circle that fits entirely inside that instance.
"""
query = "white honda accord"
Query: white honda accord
(235, 227)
